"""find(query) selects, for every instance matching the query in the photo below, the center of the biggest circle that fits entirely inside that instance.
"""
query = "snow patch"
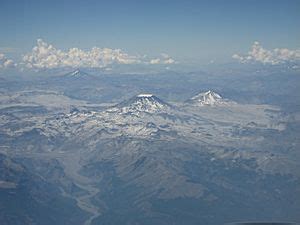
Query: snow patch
(145, 95)
(75, 73)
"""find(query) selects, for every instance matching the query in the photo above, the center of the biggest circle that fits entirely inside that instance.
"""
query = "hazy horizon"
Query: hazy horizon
(149, 112)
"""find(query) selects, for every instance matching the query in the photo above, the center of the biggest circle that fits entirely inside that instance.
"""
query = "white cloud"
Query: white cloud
(46, 56)
(155, 61)
(169, 61)
(5, 62)
(164, 59)
(165, 55)
(273, 57)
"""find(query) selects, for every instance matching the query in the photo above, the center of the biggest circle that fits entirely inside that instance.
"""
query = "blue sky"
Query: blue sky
(186, 30)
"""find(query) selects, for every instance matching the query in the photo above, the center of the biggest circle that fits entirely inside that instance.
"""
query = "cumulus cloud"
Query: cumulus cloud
(155, 61)
(273, 57)
(46, 56)
(5, 62)
(164, 59)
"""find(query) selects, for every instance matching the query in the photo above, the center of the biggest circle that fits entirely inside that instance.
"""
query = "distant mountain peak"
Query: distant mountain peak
(143, 103)
(207, 98)
(76, 73)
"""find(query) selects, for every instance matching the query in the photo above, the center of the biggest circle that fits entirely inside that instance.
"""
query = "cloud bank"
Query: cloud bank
(273, 57)
(46, 56)
(5, 62)
(164, 59)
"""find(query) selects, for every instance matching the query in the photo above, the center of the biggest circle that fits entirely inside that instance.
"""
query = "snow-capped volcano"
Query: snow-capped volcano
(143, 103)
(76, 76)
(207, 98)
(76, 73)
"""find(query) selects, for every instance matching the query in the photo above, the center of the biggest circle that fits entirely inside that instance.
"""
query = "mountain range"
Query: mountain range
(143, 160)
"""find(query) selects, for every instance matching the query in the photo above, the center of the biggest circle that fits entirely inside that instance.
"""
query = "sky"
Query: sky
(191, 31)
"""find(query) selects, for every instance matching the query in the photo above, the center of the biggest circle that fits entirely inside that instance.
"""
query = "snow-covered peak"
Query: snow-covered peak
(75, 73)
(142, 103)
(144, 95)
(207, 98)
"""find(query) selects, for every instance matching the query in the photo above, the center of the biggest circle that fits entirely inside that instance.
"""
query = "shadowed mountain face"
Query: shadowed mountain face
(27, 198)
(144, 160)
